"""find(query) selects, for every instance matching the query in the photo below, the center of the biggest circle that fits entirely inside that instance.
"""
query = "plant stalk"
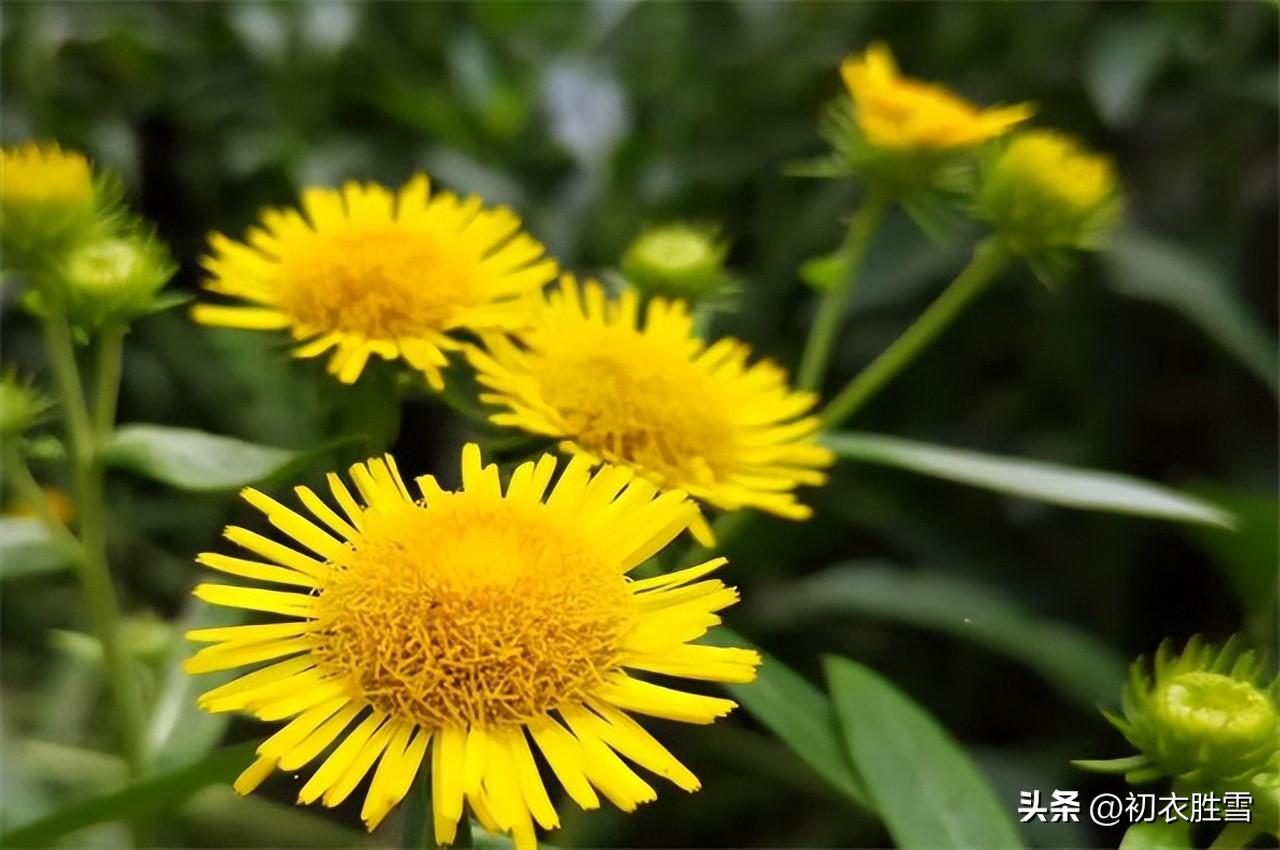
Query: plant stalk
(989, 259)
(92, 569)
(826, 325)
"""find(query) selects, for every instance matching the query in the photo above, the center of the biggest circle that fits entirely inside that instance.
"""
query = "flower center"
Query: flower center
(1213, 707)
(626, 397)
(383, 282)
(470, 611)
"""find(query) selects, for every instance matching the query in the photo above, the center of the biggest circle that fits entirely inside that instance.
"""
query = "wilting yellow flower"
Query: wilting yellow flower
(366, 271)
(45, 194)
(898, 112)
(655, 397)
(1046, 190)
(472, 623)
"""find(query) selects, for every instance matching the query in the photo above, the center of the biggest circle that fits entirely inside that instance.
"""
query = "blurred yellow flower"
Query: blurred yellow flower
(1059, 168)
(653, 396)
(45, 194)
(366, 271)
(1045, 191)
(901, 113)
(478, 623)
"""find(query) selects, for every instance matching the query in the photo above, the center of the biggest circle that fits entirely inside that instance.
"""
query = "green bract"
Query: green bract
(678, 261)
(21, 405)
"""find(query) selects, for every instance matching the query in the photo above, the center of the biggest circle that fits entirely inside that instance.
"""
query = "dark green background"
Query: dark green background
(1156, 359)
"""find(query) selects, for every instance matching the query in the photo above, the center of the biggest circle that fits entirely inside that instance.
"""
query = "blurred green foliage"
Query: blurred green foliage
(593, 119)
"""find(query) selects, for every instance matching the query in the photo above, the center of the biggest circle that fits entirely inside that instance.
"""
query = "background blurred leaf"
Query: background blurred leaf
(1083, 667)
(926, 789)
(798, 713)
(151, 794)
(1123, 59)
(194, 460)
(179, 732)
(1046, 482)
(1249, 554)
(27, 549)
(1143, 265)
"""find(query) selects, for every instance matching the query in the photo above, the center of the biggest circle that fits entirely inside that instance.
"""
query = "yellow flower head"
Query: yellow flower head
(1046, 191)
(900, 113)
(655, 397)
(363, 271)
(465, 630)
(1058, 167)
(45, 193)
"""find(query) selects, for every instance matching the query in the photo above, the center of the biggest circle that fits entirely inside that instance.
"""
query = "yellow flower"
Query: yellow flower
(45, 194)
(366, 271)
(1046, 191)
(898, 112)
(1059, 168)
(479, 625)
(654, 397)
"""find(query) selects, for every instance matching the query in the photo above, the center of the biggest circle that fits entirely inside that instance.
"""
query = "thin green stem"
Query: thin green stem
(106, 383)
(826, 325)
(93, 571)
(32, 495)
(989, 259)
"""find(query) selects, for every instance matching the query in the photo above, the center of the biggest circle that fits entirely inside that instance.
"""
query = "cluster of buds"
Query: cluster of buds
(1208, 718)
(63, 229)
(1041, 192)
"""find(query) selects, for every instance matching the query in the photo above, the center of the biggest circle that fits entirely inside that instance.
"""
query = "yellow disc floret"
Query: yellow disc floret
(364, 271)
(652, 396)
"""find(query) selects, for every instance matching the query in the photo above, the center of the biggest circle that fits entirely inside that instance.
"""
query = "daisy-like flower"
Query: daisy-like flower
(653, 396)
(469, 630)
(901, 113)
(365, 271)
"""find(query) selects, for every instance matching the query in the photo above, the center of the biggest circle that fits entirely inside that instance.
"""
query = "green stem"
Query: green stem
(107, 380)
(826, 325)
(31, 494)
(93, 571)
(989, 258)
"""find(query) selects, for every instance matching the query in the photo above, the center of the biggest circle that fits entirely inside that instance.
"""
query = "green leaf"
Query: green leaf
(925, 787)
(1121, 63)
(1157, 835)
(178, 732)
(1081, 666)
(26, 548)
(194, 460)
(800, 715)
(1143, 265)
(1072, 487)
(155, 793)
(1248, 556)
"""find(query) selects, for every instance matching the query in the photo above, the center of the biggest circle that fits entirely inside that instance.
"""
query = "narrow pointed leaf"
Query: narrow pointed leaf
(1086, 489)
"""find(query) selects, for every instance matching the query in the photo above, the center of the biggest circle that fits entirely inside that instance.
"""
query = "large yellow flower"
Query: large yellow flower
(477, 624)
(364, 271)
(901, 113)
(655, 397)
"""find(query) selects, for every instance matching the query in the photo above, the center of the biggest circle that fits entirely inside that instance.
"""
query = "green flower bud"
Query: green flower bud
(21, 405)
(1043, 192)
(1205, 717)
(678, 261)
(113, 279)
